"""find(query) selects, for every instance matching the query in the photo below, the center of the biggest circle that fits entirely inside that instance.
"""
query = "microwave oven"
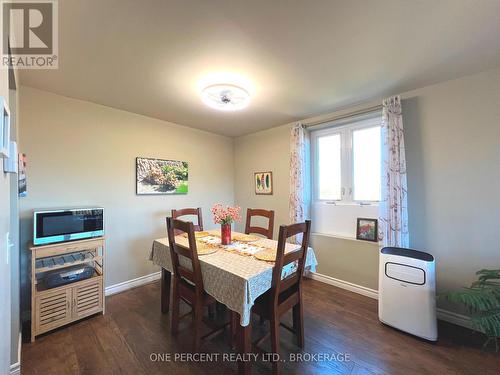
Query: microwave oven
(50, 226)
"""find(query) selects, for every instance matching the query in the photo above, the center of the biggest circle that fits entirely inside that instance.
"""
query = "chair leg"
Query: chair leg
(220, 307)
(166, 277)
(233, 328)
(275, 340)
(211, 311)
(175, 309)
(298, 324)
(197, 319)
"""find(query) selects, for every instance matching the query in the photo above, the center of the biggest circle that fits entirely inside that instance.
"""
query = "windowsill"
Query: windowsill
(340, 203)
(342, 237)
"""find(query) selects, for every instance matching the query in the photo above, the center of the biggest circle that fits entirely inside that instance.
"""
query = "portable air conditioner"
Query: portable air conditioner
(407, 291)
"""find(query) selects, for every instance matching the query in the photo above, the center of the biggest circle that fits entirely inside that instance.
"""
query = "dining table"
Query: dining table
(233, 275)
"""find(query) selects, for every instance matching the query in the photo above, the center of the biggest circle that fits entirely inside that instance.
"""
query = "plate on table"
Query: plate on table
(205, 249)
(200, 234)
(246, 237)
(268, 255)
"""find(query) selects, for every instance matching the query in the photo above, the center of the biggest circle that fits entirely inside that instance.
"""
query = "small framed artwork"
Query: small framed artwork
(263, 183)
(367, 229)
(159, 176)
(4, 129)
(22, 175)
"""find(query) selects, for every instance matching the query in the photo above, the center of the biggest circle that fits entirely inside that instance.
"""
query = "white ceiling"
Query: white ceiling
(301, 57)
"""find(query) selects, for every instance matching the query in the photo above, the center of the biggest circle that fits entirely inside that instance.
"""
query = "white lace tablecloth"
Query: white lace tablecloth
(233, 279)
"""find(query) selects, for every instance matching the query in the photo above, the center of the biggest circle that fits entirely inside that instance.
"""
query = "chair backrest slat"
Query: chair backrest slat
(190, 252)
(269, 214)
(177, 213)
(282, 259)
(293, 256)
(288, 282)
(186, 273)
(182, 250)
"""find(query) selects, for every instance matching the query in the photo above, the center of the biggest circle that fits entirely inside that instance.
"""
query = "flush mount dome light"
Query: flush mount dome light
(225, 97)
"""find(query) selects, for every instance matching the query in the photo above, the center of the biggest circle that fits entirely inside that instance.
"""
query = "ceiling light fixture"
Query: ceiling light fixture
(225, 97)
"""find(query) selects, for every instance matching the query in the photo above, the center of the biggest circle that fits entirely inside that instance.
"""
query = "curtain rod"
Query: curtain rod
(344, 116)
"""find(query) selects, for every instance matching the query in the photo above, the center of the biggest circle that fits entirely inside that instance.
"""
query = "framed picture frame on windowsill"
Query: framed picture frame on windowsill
(367, 229)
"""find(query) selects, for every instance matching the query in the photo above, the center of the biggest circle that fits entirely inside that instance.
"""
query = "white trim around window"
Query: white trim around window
(347, 166)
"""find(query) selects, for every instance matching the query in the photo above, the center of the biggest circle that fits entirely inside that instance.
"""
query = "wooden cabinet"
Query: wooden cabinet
(87, 298)
(52, 308)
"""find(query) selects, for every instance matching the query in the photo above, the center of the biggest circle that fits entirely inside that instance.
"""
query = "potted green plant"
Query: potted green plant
(482, 300)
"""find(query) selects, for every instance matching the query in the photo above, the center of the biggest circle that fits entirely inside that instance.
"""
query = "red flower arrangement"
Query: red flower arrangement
(225, 216)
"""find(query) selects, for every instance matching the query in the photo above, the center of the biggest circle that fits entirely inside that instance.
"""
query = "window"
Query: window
(346, 175)
(366, 164)
(329, 167)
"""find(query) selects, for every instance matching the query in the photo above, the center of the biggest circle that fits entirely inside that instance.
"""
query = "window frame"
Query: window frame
(346, 130)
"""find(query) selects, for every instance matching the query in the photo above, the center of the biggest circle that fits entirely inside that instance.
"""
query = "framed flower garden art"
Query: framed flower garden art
(158, 176)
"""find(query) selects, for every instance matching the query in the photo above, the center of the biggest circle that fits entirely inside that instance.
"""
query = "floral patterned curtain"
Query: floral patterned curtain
(299, 174)
(393, 208)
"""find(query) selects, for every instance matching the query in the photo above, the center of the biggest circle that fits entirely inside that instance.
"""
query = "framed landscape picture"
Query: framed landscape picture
(367, 229)
(263, 183)
(158, 176)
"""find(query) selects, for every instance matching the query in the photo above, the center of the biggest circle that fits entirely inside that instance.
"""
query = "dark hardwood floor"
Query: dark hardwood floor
(337, 323)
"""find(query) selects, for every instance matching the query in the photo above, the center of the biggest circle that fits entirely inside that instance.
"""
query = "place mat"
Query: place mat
(211, 239)
(245, 237)
(268, 255)
(243, 248)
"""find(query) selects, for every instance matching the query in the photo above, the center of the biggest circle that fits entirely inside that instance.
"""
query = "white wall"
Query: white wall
(260, 152)
(453, 160)
(83, 154)
(5, 281)
(452, 135)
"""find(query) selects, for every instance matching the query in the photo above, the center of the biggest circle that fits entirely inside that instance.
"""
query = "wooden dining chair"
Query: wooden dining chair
(190, 212)
(269, 214)
(188, 281)
(285, 294)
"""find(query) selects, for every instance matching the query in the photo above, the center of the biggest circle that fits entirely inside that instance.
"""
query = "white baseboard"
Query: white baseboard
(447, 316)
(15, 369)
(19, 345)
(454, 318)
(129, 284)
(363, 290)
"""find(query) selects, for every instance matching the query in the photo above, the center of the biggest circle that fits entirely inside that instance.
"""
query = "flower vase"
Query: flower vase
(225, 234)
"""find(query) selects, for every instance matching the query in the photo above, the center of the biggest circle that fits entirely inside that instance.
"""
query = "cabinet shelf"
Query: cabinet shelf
(57, 266)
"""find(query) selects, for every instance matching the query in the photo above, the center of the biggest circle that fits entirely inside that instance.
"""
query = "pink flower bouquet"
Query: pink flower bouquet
(226, 215)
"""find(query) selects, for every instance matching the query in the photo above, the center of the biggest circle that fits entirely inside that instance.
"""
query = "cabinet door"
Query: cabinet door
(53, 309)
(87, 298)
